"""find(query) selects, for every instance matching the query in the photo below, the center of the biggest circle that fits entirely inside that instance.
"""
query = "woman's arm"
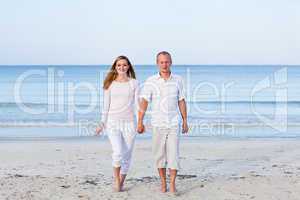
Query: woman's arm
(105, 107)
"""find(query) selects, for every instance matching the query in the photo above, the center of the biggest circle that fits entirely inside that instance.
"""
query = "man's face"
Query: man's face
(164, 63)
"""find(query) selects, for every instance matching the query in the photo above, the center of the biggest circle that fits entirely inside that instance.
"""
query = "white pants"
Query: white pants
(121, 135)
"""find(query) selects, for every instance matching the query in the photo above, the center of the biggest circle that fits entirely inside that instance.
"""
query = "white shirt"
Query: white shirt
(120, 101)
(164, 96)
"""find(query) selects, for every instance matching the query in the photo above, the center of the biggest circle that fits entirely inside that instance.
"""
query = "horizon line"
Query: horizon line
(5, 65)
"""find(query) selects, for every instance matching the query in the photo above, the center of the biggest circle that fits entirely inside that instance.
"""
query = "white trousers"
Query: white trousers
(121, 135)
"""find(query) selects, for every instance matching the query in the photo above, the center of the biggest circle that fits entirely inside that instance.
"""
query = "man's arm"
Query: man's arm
(183, 112)
(142, 110)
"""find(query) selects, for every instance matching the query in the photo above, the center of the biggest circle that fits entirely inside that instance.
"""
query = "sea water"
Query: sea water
(222, 100)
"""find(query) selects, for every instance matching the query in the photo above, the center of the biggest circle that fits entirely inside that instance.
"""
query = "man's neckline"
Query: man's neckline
(159, 76)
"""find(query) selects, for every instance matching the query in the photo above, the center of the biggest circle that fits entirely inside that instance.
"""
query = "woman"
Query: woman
(119, 115)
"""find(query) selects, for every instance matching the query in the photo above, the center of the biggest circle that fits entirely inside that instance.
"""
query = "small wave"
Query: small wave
(191, 124)
(245, 102)
(35, 124)
(41, 104)
(235, 124)
(3, 104)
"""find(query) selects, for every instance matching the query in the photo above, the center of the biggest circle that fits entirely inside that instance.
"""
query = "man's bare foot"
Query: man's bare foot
(163, 187)
(172, 188)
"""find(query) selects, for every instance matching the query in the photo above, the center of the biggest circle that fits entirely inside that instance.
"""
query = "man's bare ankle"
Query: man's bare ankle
(172, 187)
(164, 187)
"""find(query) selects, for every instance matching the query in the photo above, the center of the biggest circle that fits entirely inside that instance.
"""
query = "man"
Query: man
(165, 91)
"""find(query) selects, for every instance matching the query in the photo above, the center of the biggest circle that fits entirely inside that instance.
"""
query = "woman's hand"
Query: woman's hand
(99, 129)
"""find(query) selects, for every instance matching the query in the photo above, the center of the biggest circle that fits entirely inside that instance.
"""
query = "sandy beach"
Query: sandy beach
(212, 168)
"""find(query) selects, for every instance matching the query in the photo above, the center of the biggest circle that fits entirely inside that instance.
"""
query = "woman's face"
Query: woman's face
(122, 67)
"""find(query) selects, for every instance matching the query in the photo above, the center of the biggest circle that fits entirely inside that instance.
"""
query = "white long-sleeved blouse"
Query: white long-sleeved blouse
(120, 101)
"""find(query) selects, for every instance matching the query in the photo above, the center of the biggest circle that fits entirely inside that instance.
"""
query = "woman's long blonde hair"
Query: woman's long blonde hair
(112, 74)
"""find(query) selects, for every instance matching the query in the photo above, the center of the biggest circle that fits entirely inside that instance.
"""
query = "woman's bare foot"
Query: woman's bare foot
(117, 187)
(122, 180)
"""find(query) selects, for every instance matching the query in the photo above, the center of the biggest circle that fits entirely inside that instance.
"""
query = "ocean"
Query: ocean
(222, 100)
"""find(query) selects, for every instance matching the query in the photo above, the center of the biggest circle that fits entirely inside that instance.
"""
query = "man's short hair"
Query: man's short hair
(165, 53)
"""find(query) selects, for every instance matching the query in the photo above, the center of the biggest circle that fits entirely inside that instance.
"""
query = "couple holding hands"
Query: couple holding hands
(124, 104)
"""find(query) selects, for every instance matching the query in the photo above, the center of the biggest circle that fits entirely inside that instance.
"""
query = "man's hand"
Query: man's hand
(140, 128)
(142, 109)
(185, 127)
(182, 108)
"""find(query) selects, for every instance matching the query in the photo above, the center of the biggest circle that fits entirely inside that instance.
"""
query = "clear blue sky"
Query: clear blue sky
(194, 31)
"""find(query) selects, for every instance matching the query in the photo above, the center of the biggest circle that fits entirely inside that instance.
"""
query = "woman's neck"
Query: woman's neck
(122, 78)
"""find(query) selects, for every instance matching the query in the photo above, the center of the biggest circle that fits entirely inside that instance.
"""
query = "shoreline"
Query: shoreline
(142, 137)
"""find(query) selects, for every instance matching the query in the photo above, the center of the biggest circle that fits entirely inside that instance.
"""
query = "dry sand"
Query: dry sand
(212, 168)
